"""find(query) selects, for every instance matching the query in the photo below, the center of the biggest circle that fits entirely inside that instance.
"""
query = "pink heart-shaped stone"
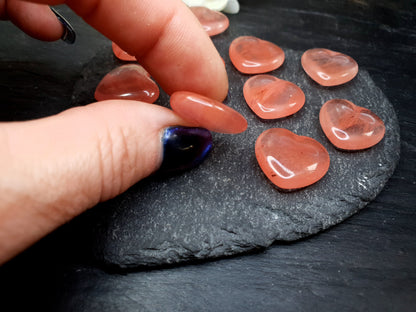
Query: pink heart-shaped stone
(213, 22)
(207, 113)
(329, 68)
(291, 161)
(127, 82)
(350, 127)
(270, 97)
(251, 55)
(121, 54)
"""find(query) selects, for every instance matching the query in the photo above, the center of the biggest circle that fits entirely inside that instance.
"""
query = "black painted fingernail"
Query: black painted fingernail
(184, 148)
(69, 33)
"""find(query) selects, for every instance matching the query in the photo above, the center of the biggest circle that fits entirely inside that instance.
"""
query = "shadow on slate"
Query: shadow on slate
(227, 206)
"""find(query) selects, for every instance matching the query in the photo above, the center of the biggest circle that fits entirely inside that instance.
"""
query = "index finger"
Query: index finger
(165, 37)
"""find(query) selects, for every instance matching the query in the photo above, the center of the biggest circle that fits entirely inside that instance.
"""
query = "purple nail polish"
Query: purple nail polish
(184, 148)
(69, 34)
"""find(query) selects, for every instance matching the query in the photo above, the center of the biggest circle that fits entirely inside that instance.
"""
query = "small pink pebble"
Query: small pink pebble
(213, 22)
(251, 55)
(291, 161)
(207, 113)
(121, 54)
(271, 98)
(350, 127)
(127, 82)
(329, 68)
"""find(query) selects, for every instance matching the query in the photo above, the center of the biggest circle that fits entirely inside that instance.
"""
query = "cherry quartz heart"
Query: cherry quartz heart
(329, 68)
(127, 82)
(291, 161)
(270, 97)
(212, 21)
(207, 113)
(121, 54)
(251, 55)
(350, 127)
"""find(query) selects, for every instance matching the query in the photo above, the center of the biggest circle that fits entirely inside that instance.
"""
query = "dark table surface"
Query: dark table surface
(366, 263)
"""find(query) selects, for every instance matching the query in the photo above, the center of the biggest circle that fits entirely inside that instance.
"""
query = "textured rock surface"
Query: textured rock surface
(227, 206)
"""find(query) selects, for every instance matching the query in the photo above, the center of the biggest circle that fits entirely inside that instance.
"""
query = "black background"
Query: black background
(366, 263)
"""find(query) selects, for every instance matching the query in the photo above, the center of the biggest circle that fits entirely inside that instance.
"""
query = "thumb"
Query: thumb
(55, 168)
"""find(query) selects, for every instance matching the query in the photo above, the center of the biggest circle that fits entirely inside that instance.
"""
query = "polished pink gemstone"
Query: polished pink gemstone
(213, 22)
(329, 68)
(251, 55)
(121, 54)
(128, 82)
(350, 127)
(291, 161)
(270, 97)
(207, 113)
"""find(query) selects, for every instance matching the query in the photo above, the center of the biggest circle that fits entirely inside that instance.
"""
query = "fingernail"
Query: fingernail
(184, 148)
(69, 34)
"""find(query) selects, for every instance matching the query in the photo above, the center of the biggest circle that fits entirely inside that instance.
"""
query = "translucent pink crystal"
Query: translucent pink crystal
(329, 68)
(207, 113)
(291, 161)
(270, 97)
(128, 82)
(350, 127)
(121, 54)
(213, 22)
(251, 55)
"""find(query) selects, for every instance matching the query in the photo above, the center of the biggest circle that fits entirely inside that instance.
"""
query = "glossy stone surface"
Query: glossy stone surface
(207, 113)
(121, 54)
(270, 97)
(251, 55)
(212, 21)
(350, 127)
(291, 161)
(128, 82)
(329, 68)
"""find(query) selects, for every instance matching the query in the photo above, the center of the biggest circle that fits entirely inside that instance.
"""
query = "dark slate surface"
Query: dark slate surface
(365, 263)
(227, 206)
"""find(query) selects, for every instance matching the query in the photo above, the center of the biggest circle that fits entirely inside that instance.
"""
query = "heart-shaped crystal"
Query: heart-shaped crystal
(127, 82)
(207, 113)
(350, 127)
(270, 97)
(212, 21)
(121, 54)
(291, 161)
(251, 55)
(329, 68)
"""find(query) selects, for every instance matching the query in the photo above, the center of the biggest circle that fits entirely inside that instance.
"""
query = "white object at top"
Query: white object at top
(228, 6)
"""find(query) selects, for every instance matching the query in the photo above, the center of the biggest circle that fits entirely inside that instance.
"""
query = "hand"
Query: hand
(55, 168)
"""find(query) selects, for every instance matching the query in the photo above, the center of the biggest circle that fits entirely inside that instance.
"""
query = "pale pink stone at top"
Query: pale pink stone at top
(128, 82)
(291, 161)
(121, 54)
(350, 127)
(270, 97)
(251, 55)
(207, 113)
(329, 68)
(212, 21)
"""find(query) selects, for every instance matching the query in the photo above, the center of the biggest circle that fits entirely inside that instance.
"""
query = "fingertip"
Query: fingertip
(167, 39)
(36, 20)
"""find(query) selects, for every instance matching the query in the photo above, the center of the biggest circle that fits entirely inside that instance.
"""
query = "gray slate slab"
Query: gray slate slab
(227, 206)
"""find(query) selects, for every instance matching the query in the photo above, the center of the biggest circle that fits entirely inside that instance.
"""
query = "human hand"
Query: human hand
(55, 168)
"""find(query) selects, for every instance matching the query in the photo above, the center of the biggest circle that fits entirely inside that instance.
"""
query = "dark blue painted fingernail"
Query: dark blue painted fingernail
(184, 148)
(69, 34)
